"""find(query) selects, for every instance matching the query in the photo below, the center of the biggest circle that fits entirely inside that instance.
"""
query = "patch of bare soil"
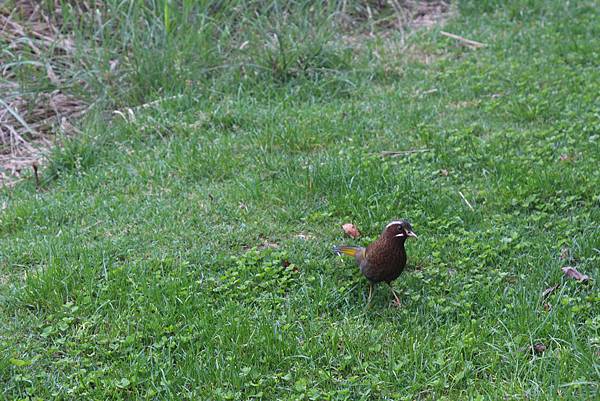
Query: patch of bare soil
(34, 103)
(427, 14)
(389, 15)
(392, 23)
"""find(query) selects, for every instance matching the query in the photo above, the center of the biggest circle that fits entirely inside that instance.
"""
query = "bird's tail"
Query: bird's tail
(348, 250)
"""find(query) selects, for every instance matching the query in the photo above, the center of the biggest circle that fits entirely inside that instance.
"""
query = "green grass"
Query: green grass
(142, 268)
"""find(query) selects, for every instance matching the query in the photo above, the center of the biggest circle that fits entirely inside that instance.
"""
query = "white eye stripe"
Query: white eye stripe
(393, 223)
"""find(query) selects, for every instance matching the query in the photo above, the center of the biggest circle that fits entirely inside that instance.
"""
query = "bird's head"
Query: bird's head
(398, 229)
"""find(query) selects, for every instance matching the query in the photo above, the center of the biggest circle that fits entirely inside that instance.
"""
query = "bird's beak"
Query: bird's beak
(406, 234)
(411, 234)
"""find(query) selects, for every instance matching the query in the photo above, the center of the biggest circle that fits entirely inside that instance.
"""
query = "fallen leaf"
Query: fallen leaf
(351, 230)
(549, 291)
(444, 172)
(571, 272)
(538, 348)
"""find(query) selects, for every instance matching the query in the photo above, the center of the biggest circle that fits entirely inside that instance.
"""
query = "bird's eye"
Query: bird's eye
(400, 227)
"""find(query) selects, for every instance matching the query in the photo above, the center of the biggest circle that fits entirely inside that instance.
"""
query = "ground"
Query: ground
(180, 247)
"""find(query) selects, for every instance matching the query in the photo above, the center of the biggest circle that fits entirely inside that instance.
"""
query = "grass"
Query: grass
(183, 250)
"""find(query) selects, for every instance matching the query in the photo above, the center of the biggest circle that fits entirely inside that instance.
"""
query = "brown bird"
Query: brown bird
(385, 258)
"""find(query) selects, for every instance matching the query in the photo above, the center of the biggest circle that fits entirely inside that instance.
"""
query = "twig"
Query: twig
(427, 92)
(17, 116)
(18, 138)
(130, 111)
(157, 101)
(465, 199)
(549, 291)
(396, 153)
(86, 229)
(37, 178)
(468, 42)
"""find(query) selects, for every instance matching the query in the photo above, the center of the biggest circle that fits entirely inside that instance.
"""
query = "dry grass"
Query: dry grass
(394, 22)
(35, 104)
(427, 14)
(38, 67)
(396, 15)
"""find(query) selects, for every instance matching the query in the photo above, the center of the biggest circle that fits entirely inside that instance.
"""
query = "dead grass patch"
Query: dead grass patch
(39, 65)
(389, 15)
(393, 22)
(427, 14)
(35, 101)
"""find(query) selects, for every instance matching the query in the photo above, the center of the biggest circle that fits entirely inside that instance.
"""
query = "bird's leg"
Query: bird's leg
(370, 293)
(397, 300)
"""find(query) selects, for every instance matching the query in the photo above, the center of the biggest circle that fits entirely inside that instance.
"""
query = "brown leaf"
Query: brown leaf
(538, 348)
(351, 230)
(571, 272)
(549, 291)
(444, 172)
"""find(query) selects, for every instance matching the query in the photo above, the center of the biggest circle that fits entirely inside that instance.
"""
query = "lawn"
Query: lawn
(180, 247)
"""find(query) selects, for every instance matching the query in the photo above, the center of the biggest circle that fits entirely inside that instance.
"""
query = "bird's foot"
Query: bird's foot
(370, 295)
(396, 303)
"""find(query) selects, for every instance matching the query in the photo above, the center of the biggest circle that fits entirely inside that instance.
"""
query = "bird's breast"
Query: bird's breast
(384, 261)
